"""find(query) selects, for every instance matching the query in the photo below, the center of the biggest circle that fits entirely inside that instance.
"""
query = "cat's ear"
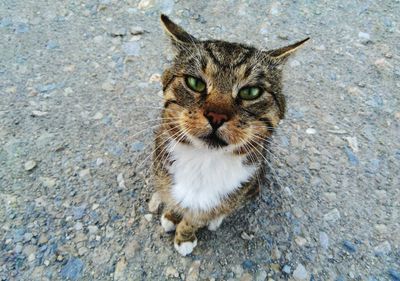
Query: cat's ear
(283, 53)
(175, 32)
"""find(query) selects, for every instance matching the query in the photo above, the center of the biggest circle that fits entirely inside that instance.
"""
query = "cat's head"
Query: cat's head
(222, 95)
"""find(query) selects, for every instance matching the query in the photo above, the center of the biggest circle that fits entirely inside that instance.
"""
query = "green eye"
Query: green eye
(195, 84)
(250, 93)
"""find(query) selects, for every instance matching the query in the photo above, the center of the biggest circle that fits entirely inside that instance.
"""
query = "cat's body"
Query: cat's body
(222, 102)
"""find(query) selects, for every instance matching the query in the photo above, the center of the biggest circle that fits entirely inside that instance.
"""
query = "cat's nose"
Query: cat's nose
(216, 119)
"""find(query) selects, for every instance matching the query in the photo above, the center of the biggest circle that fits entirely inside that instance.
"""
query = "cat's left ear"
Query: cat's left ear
(283, 53)
(177, 34)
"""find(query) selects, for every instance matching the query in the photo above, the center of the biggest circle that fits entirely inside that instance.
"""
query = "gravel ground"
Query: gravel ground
(80, 95)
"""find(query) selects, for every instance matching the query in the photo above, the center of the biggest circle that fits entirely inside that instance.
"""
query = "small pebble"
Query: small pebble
(43, 239)
(351, 156)
(50, 45)
(324, 240)
(118, 31)
(364, 37)
(171, 272)
(352, 143)
(394, 274)
(136, 30)
(30, 165)
(121, 181)
(28, 236)
(18, 248)
(155, 203)
(155, 77)
(73, 269)
(48, 182)
(93, 229)
(38, 113)
(349, 246)
(311, 131)
(79, 212)
(98, 116)
(246, 277)
(300, 273)
(109, 232)
(193, 273)
(137, 146)
(82, 251)
(332, 216)
(119, 269)
(108, 85)
(131, 48)
(382, 249)
(381, 229)
(330, 196)
(148, 217)
(300, 241)
(99, 161)
(275, 254)
(261, 275)
(248, 264)
(21, 28)
(287, 269)
(84, 173)
(294, 63)
(275, 267)
(246, 236)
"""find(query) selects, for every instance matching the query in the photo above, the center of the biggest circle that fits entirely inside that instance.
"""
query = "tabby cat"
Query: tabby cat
(222, 102)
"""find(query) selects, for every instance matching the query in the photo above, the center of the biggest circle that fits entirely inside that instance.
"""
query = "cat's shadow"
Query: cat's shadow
(254, 230)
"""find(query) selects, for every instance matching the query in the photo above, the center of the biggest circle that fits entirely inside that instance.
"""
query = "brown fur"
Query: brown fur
(226, 67)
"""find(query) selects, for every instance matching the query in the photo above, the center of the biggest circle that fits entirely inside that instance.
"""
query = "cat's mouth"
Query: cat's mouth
(214, 140)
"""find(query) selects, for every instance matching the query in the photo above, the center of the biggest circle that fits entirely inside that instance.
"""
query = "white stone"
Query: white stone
(148, 217)
(383, 249)
(39, 113)
(171, 272)
(311, 131)
(29, 165)
(119, 269)
(155, 203)
(300, 241)
(352, 143)
(300, 273)
(121, 181)
(332, 216)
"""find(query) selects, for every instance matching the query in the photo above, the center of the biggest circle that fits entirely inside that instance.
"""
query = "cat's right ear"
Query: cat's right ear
(176, 33)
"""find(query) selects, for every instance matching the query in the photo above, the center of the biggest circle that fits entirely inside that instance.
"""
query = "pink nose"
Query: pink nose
(216, 119)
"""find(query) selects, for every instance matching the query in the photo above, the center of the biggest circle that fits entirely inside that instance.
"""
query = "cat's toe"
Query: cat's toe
(167, 224)
(185, 248)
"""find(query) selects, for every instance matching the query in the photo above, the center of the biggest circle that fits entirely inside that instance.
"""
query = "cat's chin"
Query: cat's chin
(213, 141)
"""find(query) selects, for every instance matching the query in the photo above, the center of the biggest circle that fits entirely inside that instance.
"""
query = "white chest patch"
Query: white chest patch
(202, 177)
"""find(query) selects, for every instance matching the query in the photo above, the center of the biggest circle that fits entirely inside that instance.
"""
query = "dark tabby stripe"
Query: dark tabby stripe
(268, 123)
(167, 83)
(169, 102)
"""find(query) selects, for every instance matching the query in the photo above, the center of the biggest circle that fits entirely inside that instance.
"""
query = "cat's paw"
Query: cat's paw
(167, 224)
(215, 223)
(185, 248)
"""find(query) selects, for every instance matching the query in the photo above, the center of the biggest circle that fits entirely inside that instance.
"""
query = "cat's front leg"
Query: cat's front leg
(185, 237)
